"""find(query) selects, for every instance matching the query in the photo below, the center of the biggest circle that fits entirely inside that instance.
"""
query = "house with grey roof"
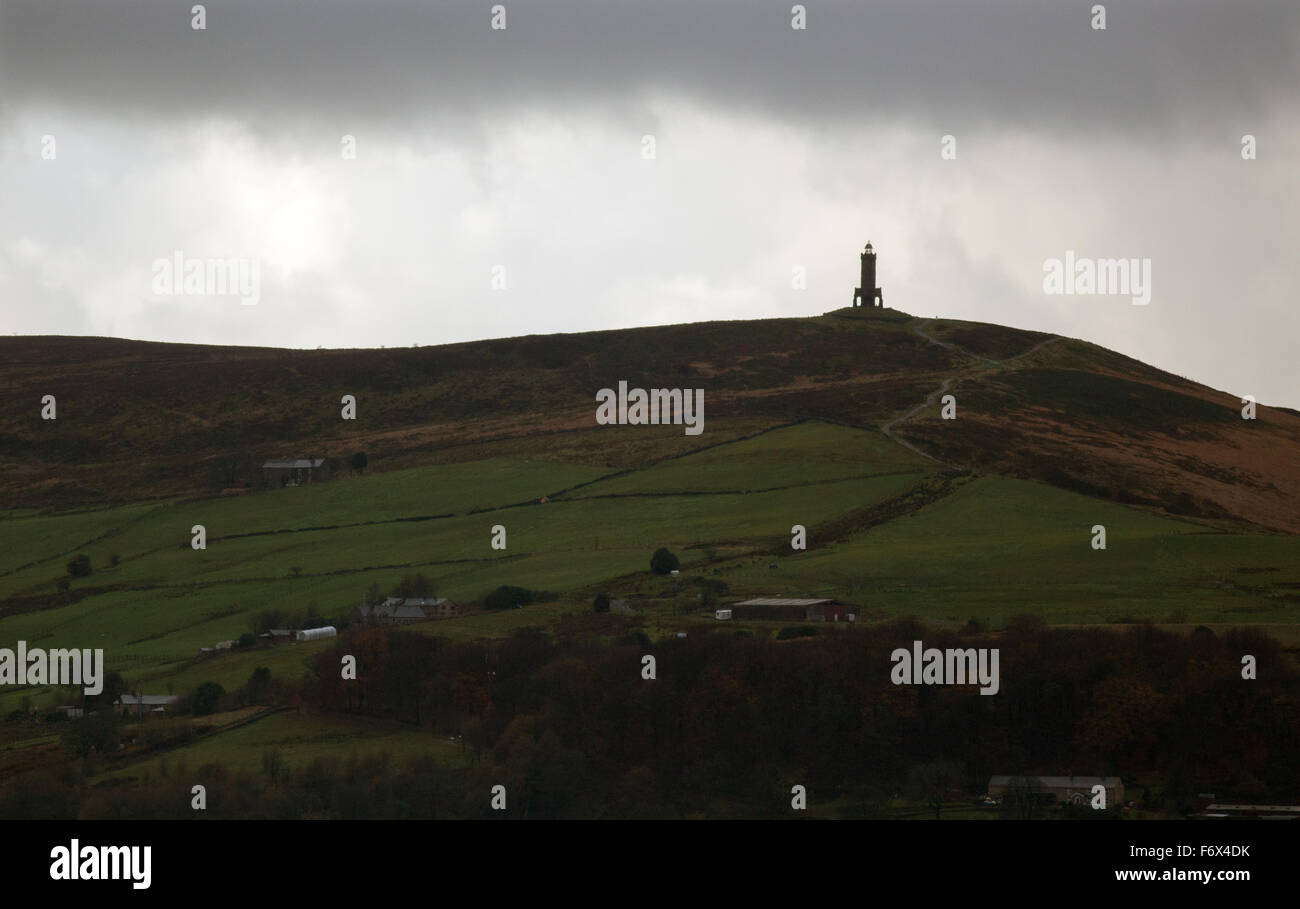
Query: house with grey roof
(296, 472)
(399, 610)
(1075, 790)
(141, 704)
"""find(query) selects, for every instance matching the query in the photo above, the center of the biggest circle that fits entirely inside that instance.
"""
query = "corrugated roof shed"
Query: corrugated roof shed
(782, 601)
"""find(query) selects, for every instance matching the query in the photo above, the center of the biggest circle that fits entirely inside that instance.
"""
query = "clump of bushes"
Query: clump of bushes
(79, 566)
(508, 597)
(206, 698)
(663, 561)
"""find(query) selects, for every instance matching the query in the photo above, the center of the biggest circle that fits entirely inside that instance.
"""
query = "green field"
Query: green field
(997, 547)
(990, 548)
(805, 454)
(300, 738)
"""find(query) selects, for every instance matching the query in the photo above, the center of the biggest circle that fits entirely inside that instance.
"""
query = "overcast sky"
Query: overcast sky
(774, 149)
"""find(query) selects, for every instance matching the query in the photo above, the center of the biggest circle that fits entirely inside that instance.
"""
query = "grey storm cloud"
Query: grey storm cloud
(1169, 67)
(778, 149)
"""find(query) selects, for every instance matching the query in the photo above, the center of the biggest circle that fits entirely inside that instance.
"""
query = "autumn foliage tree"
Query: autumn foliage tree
(562, 720)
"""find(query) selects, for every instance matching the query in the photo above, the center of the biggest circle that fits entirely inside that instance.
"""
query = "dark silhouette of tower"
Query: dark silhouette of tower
(868, 291)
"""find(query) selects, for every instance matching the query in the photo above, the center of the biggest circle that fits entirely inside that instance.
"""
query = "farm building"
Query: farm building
(300, 472)
(1075, 790)
(436, 607)
(398, 611)
(796, 608)
(722, 614)
(315, 634)
(830, 611)
(141, 704)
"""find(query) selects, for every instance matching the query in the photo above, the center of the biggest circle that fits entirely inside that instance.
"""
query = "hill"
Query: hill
(978, 527)
(139, 420)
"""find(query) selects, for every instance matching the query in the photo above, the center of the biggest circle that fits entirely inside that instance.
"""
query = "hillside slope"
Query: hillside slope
(139, 420)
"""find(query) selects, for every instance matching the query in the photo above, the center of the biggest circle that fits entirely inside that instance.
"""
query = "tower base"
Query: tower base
(860, 299)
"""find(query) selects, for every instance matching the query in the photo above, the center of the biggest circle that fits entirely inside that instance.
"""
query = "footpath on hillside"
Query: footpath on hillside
(983, 366)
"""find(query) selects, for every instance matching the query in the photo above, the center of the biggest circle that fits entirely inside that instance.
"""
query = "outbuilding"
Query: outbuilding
(296, 472)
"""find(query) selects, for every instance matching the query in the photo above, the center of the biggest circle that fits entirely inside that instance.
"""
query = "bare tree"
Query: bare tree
(1023, 794)
(931, 783)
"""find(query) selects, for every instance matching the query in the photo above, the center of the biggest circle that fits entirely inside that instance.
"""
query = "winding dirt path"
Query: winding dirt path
(986, 365)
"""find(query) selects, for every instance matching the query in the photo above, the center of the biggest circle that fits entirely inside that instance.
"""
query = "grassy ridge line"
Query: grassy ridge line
(421, 518)
(411, 518)
(300, 738)
(322, 527)
(202, 732)
(737, 492)
(431, 517)
(111, 532)
(85, 592)
(420, 492)
(926, 491)
(685, 454)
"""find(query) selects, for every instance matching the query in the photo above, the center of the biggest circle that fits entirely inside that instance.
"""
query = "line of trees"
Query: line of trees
(730, 716)
(730, 721)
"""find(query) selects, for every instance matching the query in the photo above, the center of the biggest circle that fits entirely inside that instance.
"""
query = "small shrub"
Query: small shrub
(79, 567)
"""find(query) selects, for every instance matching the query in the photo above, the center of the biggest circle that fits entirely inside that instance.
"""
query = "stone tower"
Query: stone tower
(868, 293)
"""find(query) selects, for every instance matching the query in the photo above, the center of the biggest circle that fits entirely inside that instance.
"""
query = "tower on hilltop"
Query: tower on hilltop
(868, 294)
